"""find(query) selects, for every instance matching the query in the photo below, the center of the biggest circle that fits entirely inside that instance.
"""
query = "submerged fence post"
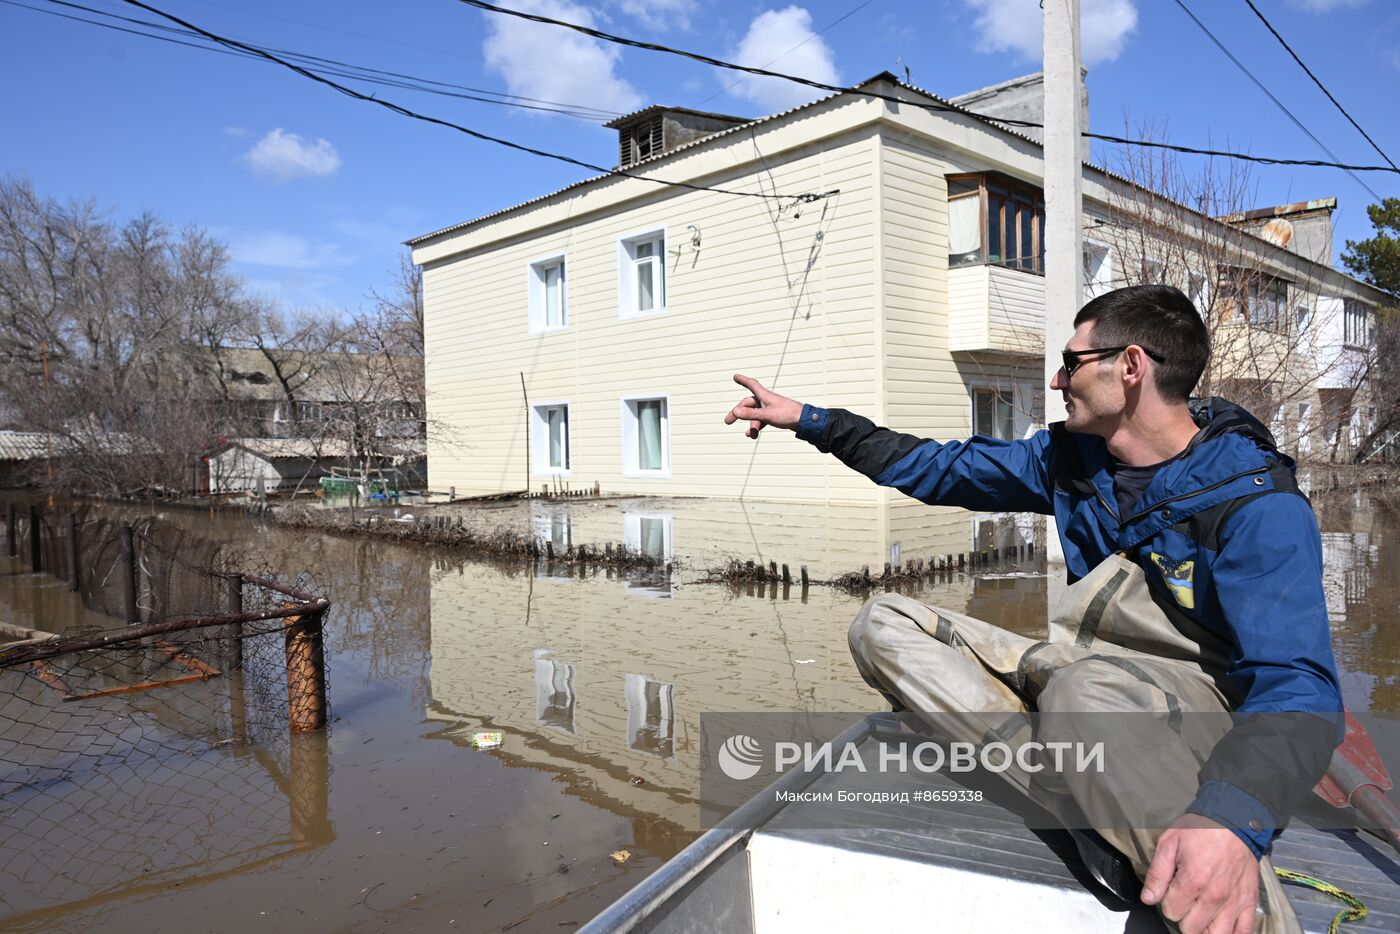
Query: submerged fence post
(306, 674)
(36, 559)
(129, 578)
(308, 790)
(234, 589)
(11, 538)
(74, 575)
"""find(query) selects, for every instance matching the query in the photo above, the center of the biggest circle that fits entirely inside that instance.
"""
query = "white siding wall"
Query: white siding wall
(967, 308)
(1015, 311)
(786, 298)
(992, 308)
(236, 470)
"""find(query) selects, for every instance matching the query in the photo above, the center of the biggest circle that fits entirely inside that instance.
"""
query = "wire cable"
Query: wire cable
(438, 121)
(359, 72)
(1270, 94)
(1317, 81)
(841, 89)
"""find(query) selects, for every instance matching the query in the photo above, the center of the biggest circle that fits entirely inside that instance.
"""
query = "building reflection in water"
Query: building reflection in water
(651, 716)
(554, 691)
(555, 527)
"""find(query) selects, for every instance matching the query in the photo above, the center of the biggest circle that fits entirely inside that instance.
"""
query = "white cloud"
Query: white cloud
(282, 156)
(555, 64)
(660, 15)
(1325, 6)
(783, 40)
(1015, 26)
(281, 250)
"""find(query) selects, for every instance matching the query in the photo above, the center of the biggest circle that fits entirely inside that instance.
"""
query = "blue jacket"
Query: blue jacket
(1223, 536)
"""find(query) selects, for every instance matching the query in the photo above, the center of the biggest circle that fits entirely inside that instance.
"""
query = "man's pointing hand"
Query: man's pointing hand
(764, 407)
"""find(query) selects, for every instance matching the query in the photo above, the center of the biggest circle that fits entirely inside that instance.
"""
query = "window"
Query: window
(1153, 272)
(1263, 300)
(641, 140)
(1196, 291)
(646, 437)
(550, 439)
(642, 274)
(1098, 270)
(549, 302)
(995, 220)
(1356, 324)
(992, 414)
(1304, 318)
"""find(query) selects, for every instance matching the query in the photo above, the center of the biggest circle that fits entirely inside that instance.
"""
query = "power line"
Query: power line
(316, 63)
(841, 89)
(1270, 94)
(1317, 81)
(437, 121)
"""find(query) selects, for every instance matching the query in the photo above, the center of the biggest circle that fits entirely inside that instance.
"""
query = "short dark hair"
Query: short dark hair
(1158, 318)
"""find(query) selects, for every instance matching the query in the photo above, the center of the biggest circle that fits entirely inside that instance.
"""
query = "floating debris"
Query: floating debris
(488, 740)
(620, 856)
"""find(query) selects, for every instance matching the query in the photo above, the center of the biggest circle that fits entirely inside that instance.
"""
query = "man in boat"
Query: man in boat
(1195, 572)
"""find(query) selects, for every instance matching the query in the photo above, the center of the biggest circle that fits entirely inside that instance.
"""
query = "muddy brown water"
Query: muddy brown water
(393, 820)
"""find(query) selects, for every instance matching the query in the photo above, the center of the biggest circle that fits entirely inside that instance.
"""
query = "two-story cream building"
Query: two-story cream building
(884, 256)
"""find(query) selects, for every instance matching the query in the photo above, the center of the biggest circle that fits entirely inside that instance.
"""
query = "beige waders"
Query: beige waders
(1111, 649)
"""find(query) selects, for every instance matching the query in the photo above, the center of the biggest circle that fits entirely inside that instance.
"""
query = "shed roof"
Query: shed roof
(306, 448)
(23, 445)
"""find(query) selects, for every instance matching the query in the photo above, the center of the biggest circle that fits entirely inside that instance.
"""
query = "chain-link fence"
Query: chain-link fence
(173, 748)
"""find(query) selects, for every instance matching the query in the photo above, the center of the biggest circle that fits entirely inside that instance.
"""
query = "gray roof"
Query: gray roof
(939, 102)
(23, 445)
(308, 448)
(936, 102)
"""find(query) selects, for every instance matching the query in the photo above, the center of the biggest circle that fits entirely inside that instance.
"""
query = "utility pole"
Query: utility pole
(1064, 206)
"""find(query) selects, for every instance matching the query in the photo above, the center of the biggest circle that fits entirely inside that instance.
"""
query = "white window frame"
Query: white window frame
(535, 283)
(1356, 323)
(630, 454)
(1103, 282)
(539, 440)
(627, 274)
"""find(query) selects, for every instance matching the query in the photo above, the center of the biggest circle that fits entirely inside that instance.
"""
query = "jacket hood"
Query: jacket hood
(1216, 416)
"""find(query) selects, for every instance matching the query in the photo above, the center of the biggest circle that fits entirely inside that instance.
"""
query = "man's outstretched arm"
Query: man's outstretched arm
(979, 473)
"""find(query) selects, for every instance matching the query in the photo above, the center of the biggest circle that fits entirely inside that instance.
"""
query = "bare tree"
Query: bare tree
(1194, 231)
(99, 324)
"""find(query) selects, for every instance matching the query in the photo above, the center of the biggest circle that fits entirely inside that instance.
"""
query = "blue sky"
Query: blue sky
(314, 192)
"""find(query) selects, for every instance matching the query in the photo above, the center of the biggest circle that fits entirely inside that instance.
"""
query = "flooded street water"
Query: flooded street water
(597, 679)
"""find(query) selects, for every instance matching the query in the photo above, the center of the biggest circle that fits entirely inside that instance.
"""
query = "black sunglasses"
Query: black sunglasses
(1072, 362)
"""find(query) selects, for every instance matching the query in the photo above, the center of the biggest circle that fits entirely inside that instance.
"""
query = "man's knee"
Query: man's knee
(881, 621)
(1090, 685)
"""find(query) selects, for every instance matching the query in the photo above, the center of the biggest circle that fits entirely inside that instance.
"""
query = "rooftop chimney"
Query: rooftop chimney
(659, 129)
(1305, 227)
